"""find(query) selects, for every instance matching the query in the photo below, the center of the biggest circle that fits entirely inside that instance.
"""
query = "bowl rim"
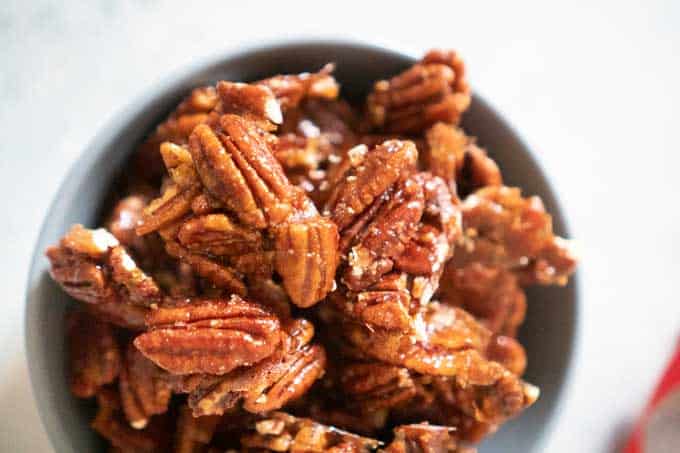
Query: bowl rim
(155, 90)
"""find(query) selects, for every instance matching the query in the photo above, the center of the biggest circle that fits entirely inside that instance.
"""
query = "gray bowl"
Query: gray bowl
(549, 331)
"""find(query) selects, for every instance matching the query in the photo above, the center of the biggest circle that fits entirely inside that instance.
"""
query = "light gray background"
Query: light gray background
(594, 89)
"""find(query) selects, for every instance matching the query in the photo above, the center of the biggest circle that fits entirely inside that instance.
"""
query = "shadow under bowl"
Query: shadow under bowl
(550, 328)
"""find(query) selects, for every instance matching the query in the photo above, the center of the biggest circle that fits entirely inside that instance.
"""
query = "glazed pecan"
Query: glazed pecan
(193, 433)
(123, 220)
(91, 266)
(290, 90)
(491, 294)
(94, 356)
(283, 432)
(237, 167)
(216, 272)
(177, 198)
(369, 175)
(77, 264)
(110, 424)
(508, 352)
(216, 234)
(431, 91)
(123, 315)
(374, 386)
(209, 336)
(306, 258)
(132, 283)
(193, 110)
(505, 230)
(143, 392)
(445, 151)
(478, 171)
(269, 384)
(382, 239)
(423, 438)
(254, 101)
(447, 341)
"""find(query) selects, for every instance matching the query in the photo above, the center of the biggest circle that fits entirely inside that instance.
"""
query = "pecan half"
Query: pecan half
(290, 90)
(216, 234)
(178, 197)
(209, 336)
(127, 316)
(506, 230)
(216, 272)
(254, 101)
(491, 294)
(94, 356)
(384, 238)
(132, 283)
(423, 438)
(431, 91)
(143, 392)
(76, 264)
(374, 386)
(371, 173)
(445, 151)
(237, 167)
(269, 384)
(282, 432)
(306, 258)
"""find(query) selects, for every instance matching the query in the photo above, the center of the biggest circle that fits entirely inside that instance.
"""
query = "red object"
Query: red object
(658, 429)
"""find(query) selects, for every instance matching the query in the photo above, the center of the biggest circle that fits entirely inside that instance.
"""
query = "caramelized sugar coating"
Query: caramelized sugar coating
(275, 248)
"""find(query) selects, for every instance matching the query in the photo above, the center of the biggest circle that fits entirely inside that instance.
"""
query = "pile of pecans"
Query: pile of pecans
(283, 271)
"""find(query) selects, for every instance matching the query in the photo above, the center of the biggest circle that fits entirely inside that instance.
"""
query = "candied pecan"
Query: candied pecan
(371, 173)
(306, 258)
(94, 357)
(143, 392)
(123, 315)
(109, 423)
(209, 336)
(176, 128)
(219, 274)
(123, 220)
(132, 283)
(428, 92)
(478, 171)
(193, 432)
(374, 386)
(491, 294)
(191, 111)
(503, 229)
(552, 265)
(254, 101)
(216, 234)
(236, 166)
(269, 384)
(423, 438)
(178, 197)
(292, 89)
(282, 432)
(445, 151)
(386, 308)
(447, 341)
(508, 352)
(384, 238)
(452, 59)
(76, 264)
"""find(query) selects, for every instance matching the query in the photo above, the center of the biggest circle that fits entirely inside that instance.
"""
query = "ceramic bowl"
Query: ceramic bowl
(549, 331)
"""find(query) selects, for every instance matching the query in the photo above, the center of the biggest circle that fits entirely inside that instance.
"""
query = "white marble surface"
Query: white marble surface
(592, 87)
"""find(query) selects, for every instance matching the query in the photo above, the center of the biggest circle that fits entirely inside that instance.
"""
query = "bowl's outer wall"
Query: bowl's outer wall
(550, 326)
